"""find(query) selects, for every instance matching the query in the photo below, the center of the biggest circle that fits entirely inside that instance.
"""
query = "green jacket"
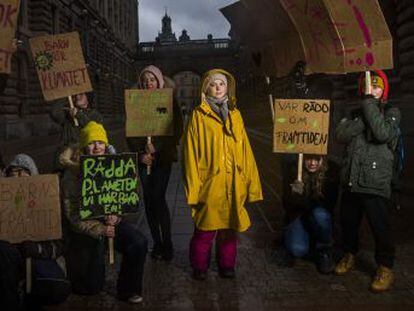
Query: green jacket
(370, 140)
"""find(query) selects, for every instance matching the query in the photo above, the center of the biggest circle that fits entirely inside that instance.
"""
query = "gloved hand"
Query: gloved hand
(30, 249)
(298, 187)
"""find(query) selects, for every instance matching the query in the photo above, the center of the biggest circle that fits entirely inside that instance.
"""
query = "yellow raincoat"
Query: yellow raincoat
(220, 171)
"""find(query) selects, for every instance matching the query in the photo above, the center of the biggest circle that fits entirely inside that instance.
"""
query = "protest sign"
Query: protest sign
(301, 126)
(9, 11)
(341, 36)
(149, 113)
(60, 65)
(30, 209)
(109, 185)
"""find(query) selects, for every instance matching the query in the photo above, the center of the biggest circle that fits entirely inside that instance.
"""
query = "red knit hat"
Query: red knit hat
(383, 76)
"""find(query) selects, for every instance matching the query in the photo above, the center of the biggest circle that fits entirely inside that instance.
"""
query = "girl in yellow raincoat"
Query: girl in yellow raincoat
(220, 174)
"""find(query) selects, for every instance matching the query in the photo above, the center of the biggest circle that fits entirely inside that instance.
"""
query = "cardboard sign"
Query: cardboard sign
(60, 65)
(301, 126)
(149, 113)
(30, 209)
(9, 12)
(109, 185)
(341, 36)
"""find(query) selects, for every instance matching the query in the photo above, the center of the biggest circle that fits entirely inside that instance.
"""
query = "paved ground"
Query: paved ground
(260, 283)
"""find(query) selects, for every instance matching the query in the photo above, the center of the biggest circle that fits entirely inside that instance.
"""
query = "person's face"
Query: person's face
(96, 148)
(313, 163)
(217, 89)
(149, 81)
(18, 172)
(377, 92)
(81, 101)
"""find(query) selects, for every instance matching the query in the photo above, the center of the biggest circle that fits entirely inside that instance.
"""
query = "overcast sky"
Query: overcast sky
(198, 17)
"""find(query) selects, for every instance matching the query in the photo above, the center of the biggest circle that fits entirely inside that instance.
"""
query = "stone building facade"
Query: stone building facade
(109, 35)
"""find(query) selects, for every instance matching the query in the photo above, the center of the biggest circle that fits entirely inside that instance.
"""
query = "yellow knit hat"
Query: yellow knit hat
(377, 81)
(92, 132)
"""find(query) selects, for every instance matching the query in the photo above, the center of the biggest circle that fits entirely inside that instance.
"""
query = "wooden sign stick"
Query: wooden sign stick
(73, 106)
(368, 86)
(111, 251)
(300, 166)
(149, 166)
(272, 109)
(28, 275)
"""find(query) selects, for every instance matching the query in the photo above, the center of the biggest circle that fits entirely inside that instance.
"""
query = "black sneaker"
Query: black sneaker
(324, 262)
(199, 275)
(168, 252)
(228, 273)
(157, 252)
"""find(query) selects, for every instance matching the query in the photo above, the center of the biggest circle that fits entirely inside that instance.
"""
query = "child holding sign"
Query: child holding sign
(220, 174)
(371, 137)
(309, 204)
(86, 262)
(50, 285)
(159, 155)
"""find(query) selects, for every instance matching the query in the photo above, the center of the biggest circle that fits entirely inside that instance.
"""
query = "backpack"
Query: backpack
(399, 162)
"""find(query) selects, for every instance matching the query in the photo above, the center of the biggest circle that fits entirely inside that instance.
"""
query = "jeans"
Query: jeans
(315, 225)
(226, 249)
(377, 209)
(156, 208)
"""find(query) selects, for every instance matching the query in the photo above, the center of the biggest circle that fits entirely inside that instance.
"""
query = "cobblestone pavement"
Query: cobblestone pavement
(260, 283)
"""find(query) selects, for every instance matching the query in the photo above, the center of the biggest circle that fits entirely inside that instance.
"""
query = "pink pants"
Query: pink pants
(226, 249)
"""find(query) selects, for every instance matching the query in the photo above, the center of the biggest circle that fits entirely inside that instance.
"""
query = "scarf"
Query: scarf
(219, 106)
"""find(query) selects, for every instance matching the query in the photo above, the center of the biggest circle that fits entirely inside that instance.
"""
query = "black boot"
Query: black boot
(227, 273)
(168, 251)
(199, 275)
(157, 251)
(324, 261)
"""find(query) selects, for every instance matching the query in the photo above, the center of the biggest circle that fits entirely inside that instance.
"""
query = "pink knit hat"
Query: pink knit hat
(156, 72)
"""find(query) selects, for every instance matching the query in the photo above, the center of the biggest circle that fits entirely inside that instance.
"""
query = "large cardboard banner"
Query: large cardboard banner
(149, 113)
(301, 126)
(109, 185)
(341, 36)
(60, 65)
(9, 12)
(30, 209)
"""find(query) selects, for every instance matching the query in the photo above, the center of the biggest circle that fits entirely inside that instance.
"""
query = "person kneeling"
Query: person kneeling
(86, 262)
(50, 285)
(308, 205)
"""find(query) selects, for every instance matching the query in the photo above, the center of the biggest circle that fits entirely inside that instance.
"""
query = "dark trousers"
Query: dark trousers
(377, 209)
(86, 261)
(11, 272)
(156, 208)
(48, 285)
(133, 246)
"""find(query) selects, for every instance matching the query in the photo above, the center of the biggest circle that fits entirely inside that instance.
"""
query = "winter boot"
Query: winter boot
(383, 279)
(345, 264)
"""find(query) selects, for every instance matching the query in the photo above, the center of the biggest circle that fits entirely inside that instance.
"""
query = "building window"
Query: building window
(222, 45)
(147, 49)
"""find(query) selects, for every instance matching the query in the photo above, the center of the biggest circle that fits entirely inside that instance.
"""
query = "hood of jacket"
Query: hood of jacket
(156, 72)
(231, 85)
(24, 161)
